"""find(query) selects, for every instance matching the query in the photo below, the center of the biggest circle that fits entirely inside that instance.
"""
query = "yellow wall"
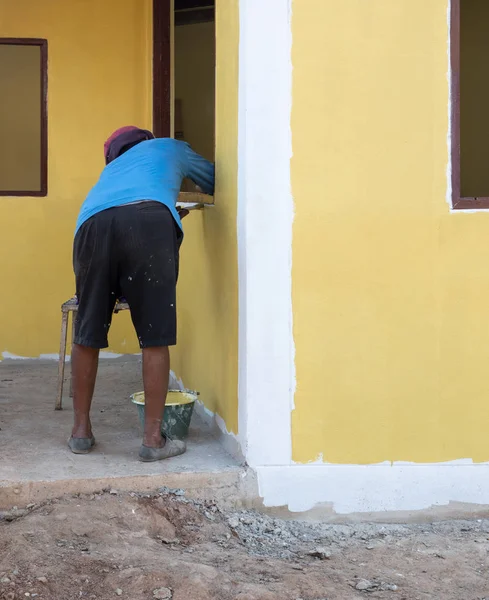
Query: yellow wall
(20, 118)
(474, 58)
(100, 60)
(389, 289)
(207, 353)
(99, 79)
(195, 84)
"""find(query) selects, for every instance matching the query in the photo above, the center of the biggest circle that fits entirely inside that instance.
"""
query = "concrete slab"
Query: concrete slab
(35, 463)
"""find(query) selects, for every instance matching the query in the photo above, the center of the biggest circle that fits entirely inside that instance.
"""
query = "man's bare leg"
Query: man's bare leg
(84, 370)
(156, 373)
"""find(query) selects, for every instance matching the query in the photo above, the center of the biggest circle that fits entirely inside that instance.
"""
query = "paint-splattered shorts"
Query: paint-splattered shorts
(130, 252)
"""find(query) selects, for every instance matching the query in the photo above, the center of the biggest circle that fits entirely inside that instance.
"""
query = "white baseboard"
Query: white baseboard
(218, 428)
(371, 489)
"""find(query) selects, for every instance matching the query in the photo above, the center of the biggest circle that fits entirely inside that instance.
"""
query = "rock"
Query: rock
(233, 522)
(321, 553)
(42, 580)
(179, 492)
(168, 541)
(113, 492)
(5, 580)
(12, 515)
(162, 593)
(118, 590)
(389, 587)
(61, 517)
(364, 585)
(247, 520)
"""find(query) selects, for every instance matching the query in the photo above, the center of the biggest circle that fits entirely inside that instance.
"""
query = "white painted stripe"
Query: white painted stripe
(213, 421)
(265, 216)
(102, 355)
(228, 440)
(349, 489)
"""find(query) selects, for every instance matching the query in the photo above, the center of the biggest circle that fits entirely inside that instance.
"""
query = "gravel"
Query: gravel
(162, 593)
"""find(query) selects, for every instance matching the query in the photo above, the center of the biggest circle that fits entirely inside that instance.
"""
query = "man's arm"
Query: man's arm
(199, 170)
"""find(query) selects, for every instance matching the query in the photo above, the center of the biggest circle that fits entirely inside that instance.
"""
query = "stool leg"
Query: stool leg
(73, 318)
(62, 357)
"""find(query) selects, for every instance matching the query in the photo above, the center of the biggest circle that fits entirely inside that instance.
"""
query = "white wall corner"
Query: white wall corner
(265, 218)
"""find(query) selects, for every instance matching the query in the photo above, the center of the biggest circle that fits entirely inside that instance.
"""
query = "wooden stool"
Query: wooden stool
(71, 307)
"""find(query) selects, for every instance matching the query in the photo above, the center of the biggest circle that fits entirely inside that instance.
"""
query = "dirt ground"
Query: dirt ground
(146, 546)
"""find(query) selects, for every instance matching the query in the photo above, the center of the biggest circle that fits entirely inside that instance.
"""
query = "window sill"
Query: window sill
(471, 203)
(17, 193)
(194, 200)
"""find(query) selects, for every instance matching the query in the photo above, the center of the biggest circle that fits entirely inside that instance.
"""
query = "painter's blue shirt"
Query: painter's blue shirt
(151, 170)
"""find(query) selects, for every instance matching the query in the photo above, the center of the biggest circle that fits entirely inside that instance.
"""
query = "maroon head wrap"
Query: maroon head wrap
(122, 137)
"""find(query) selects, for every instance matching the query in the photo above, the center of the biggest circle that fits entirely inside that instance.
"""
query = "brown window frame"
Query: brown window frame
(162, 52)
(162, 68)
(43, 44)
(162, 80)
(459, 202)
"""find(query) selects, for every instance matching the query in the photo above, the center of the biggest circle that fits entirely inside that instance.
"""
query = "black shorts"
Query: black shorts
(129, 252)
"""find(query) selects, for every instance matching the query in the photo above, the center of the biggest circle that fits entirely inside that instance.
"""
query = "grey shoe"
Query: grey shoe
(170, 449)
(81, 445)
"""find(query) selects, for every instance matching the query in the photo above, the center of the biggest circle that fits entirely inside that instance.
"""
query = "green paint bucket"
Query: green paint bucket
(178, 412)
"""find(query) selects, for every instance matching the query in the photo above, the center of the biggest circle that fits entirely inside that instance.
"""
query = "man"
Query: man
(127, 241)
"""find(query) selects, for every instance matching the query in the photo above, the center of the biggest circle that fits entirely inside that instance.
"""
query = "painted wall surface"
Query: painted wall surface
(474, 92)
(195, 59)
(97, 82)
(389, 287)
(206, 356)
(20, 118)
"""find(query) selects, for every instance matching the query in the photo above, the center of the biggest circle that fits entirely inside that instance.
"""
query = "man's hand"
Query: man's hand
(182, 212)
